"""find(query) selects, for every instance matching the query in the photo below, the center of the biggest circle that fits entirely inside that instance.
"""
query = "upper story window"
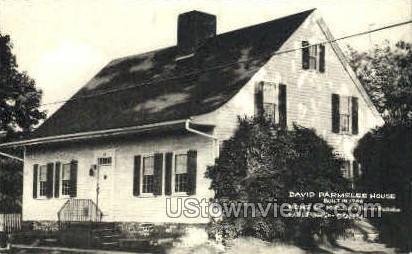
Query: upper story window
(148, 172)
(313, 56)
(270, 102)
(344, 114)
(181, 173)
(346, 170)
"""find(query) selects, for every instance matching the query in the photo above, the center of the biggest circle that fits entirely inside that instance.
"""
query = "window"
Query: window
(43, 181)
(65, 179)
(344, 114)
(346, 169)
(313, 57)
(104, 161)
(148, 178)
(181, 173)
(269, 100)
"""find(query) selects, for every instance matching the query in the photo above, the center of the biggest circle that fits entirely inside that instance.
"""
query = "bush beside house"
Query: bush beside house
(262, 164)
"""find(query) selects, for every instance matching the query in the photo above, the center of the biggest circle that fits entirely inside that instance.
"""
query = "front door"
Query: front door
(105, 167)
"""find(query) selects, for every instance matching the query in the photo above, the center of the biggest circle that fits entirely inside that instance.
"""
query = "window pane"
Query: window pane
(346, 169)
(148, 184)
(313, 50)
(269, 92)
(181, 183)
(43, 173)
(181, 164)
(148, 165)
(104, 161)
(66, 172)
(344, 122)
(344, 105)
(269, 110)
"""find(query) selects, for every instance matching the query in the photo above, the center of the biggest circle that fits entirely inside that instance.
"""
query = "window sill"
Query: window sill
(146, 195)
(42, 198)
(345, 134)
(176, 194)
(180, 194)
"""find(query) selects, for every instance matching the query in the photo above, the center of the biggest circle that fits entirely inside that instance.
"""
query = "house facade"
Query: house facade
(146, 127)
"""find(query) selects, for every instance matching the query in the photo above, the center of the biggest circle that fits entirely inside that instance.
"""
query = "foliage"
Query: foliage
(19, 98)
(19, 113)
(386, 74)
(262, 164)
(10, 187)
(385, 156)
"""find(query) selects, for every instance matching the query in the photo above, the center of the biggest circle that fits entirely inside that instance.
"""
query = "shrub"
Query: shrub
(261, 164)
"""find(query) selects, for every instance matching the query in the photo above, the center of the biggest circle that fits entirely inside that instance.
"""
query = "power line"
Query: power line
(151, 81)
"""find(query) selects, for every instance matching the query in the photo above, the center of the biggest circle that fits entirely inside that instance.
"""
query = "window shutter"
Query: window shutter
(50, 178)
(73, 178)
(355, 122)
(136, 175)
(305, 55)
(57, 179)
(168, 173)
(158, 168)
(259, 99)
(335, 113)
(321, 58)
(191, 171)
(282, 107)
(35, 174)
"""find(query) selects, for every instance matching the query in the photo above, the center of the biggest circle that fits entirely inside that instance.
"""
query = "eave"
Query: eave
(159, 127)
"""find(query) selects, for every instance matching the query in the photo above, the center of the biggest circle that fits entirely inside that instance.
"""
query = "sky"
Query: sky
(62, 44)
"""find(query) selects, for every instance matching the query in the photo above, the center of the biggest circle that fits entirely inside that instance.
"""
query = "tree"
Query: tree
(19, 98)
(19, 114)
(262, 164)
(386, 74)
(385, 156)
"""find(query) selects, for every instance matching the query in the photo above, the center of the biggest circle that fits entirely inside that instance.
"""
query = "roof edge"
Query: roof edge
(341, 56)
(93, 134)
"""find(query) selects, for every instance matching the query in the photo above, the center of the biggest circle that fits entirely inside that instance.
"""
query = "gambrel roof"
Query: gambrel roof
(156, 86)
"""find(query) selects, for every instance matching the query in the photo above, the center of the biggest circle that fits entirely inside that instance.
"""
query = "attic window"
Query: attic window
(313, 56)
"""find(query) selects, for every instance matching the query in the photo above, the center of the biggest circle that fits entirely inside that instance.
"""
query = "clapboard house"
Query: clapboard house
(146, 126)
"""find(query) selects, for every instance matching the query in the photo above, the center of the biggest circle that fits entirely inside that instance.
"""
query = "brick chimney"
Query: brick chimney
(193, 29)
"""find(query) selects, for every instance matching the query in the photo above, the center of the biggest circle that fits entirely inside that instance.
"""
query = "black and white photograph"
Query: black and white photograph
(221, 126)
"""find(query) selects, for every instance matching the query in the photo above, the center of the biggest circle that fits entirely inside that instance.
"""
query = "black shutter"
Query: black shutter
(305, 55)
(355, 166)
(157, 174)
(168, 173)
(321, 58)
(73, 178)
(282, 107)
(50, 178)
(136, 175)
(35, 175)
(355, 121)
(57, 179)
(191, 172)
(259, 99)
(335, 113)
